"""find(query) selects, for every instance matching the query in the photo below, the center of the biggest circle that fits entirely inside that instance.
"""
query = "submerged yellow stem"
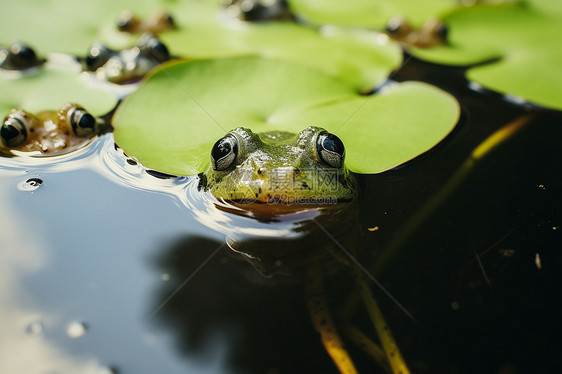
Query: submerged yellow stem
(393, 355)
(324, 324)
(368, 346)
(488, 145)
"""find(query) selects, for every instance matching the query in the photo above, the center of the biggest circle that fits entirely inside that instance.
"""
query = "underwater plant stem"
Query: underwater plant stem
(393, 355)
(481, 151)
(323, 322)
(368, 346)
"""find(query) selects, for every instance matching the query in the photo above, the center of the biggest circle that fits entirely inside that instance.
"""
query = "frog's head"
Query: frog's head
(280, 168)
(128, 65)
(47, 131)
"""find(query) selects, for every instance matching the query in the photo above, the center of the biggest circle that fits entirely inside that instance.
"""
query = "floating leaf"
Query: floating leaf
(72, 26)
(357, 56)
(371, 13)
(520, 44)
(174, 118)
(49, 89)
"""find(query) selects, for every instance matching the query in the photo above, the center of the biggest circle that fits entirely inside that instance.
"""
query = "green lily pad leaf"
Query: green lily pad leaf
(172, 121)
(49, 89)
(519, 44)
(72, 26)
(357, 56)
(371, 13)
(378, 132)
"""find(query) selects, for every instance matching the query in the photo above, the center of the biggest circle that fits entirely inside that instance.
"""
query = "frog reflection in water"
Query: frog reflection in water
(128, 65)
(280, 167)
(49, 132)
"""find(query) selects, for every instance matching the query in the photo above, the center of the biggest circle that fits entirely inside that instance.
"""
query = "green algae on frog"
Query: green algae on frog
(128, 65)
(278, 167)
(48, 132)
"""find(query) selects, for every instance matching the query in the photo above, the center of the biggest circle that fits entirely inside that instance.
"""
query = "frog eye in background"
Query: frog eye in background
(397, 26)
(97, 56)
(330, 149)
(153, 48)
(224, 152)
(13, 131)
(82, 122)
(127, 21)
(23, 56)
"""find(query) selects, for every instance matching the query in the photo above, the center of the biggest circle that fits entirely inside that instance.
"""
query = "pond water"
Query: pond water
(105, 268)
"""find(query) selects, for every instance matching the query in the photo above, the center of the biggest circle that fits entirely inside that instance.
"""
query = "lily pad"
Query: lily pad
(519, 44)
(172, 121)
(371, 13)
(72, 26)
(358, 56)
(49, 89)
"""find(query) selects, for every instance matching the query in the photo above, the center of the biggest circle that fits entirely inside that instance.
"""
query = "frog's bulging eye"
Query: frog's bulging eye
(98, 56)
(224, 152)
(153, 48)
(396, 26)
(330, 149)
(82, 122)
(13, 131)
(23, 56)
(442, 31)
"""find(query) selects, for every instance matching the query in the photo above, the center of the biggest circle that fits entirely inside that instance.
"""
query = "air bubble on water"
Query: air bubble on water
(31, 184)
(34, 328)
(76, 329)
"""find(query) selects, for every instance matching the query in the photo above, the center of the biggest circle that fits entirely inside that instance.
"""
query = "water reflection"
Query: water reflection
(265, 320)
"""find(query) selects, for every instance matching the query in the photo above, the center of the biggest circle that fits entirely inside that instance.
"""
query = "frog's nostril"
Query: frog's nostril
(261, 171)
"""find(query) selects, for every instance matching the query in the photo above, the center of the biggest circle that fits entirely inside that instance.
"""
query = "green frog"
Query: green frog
(279, 168)
(259, 10)
(157, 23)
(128, 65)
(49, 132)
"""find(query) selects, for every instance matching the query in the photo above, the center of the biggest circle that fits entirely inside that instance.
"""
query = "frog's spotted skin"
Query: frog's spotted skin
(159, 22)
(259, 10)
(48, 132)
(279, 167)
(433, 32)
(18, 57)
(128, 65)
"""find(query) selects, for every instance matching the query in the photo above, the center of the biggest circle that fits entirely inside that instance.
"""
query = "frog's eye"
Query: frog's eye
(22, 56)
(98, 56)
(13, 131)
(224, 152)
(330, 149)
(153, 48)
(125, 21)
(82, 122)
(396, 26)
(442, 31)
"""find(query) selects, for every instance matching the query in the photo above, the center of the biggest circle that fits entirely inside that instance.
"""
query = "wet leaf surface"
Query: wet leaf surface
(379, 131)
(517, 45)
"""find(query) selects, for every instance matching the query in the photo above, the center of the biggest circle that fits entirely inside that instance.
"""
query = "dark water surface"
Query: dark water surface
(103, 267)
